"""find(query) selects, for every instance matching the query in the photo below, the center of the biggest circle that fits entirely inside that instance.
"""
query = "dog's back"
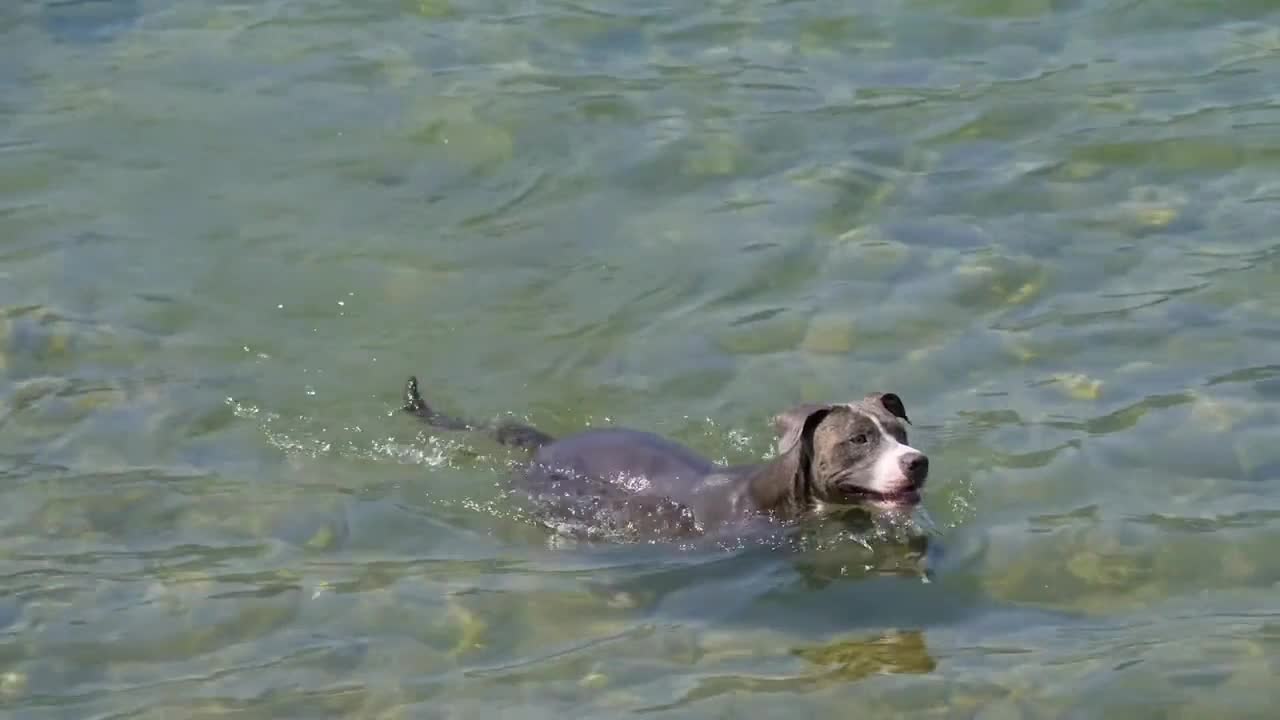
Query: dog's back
(617, 482)
(632, 476)
(641, 462)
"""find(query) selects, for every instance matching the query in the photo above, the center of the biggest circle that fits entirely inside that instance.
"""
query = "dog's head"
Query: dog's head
(853, 452)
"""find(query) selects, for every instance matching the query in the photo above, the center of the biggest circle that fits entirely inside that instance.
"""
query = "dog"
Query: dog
(615, 482)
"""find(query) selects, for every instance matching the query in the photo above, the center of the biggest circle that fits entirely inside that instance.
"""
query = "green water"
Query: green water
(230, 230)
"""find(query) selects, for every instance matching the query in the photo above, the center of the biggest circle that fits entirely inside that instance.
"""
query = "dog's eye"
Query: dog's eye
(860, 439)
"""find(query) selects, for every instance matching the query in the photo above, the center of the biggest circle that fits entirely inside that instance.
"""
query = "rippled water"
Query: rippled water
(230, 230)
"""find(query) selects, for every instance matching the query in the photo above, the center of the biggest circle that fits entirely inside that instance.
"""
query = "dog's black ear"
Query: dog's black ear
(891, 403)
(792, 424)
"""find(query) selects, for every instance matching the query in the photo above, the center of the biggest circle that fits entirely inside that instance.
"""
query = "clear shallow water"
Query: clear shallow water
(229, 231)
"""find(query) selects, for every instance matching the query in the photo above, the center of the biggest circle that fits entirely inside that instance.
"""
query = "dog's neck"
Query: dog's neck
(779, 487)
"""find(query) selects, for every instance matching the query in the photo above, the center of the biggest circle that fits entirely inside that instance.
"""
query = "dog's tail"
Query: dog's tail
(413, 403)
(508, 433)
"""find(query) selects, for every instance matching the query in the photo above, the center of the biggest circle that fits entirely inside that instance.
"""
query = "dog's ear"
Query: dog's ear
(785, 484)
(891, 404)
(792, 424)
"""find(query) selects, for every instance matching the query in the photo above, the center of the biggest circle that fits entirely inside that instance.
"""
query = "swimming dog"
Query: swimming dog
(620, 481)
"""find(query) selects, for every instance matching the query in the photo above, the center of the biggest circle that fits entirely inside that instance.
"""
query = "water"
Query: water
(229, 231)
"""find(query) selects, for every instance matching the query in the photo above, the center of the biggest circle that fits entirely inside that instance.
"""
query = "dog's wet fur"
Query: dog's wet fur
(619, 482)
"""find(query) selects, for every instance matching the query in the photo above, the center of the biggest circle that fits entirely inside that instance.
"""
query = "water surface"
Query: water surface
(230, 230)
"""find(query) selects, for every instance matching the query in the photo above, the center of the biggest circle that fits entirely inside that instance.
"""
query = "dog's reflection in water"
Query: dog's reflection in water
(860, 544)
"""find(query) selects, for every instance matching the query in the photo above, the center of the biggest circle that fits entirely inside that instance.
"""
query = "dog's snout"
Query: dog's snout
(916, 467)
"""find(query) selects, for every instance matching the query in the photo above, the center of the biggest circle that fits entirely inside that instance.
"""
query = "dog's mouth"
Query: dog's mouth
(897, 498)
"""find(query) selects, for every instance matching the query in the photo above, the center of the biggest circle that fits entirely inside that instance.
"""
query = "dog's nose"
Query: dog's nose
(916, 467)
